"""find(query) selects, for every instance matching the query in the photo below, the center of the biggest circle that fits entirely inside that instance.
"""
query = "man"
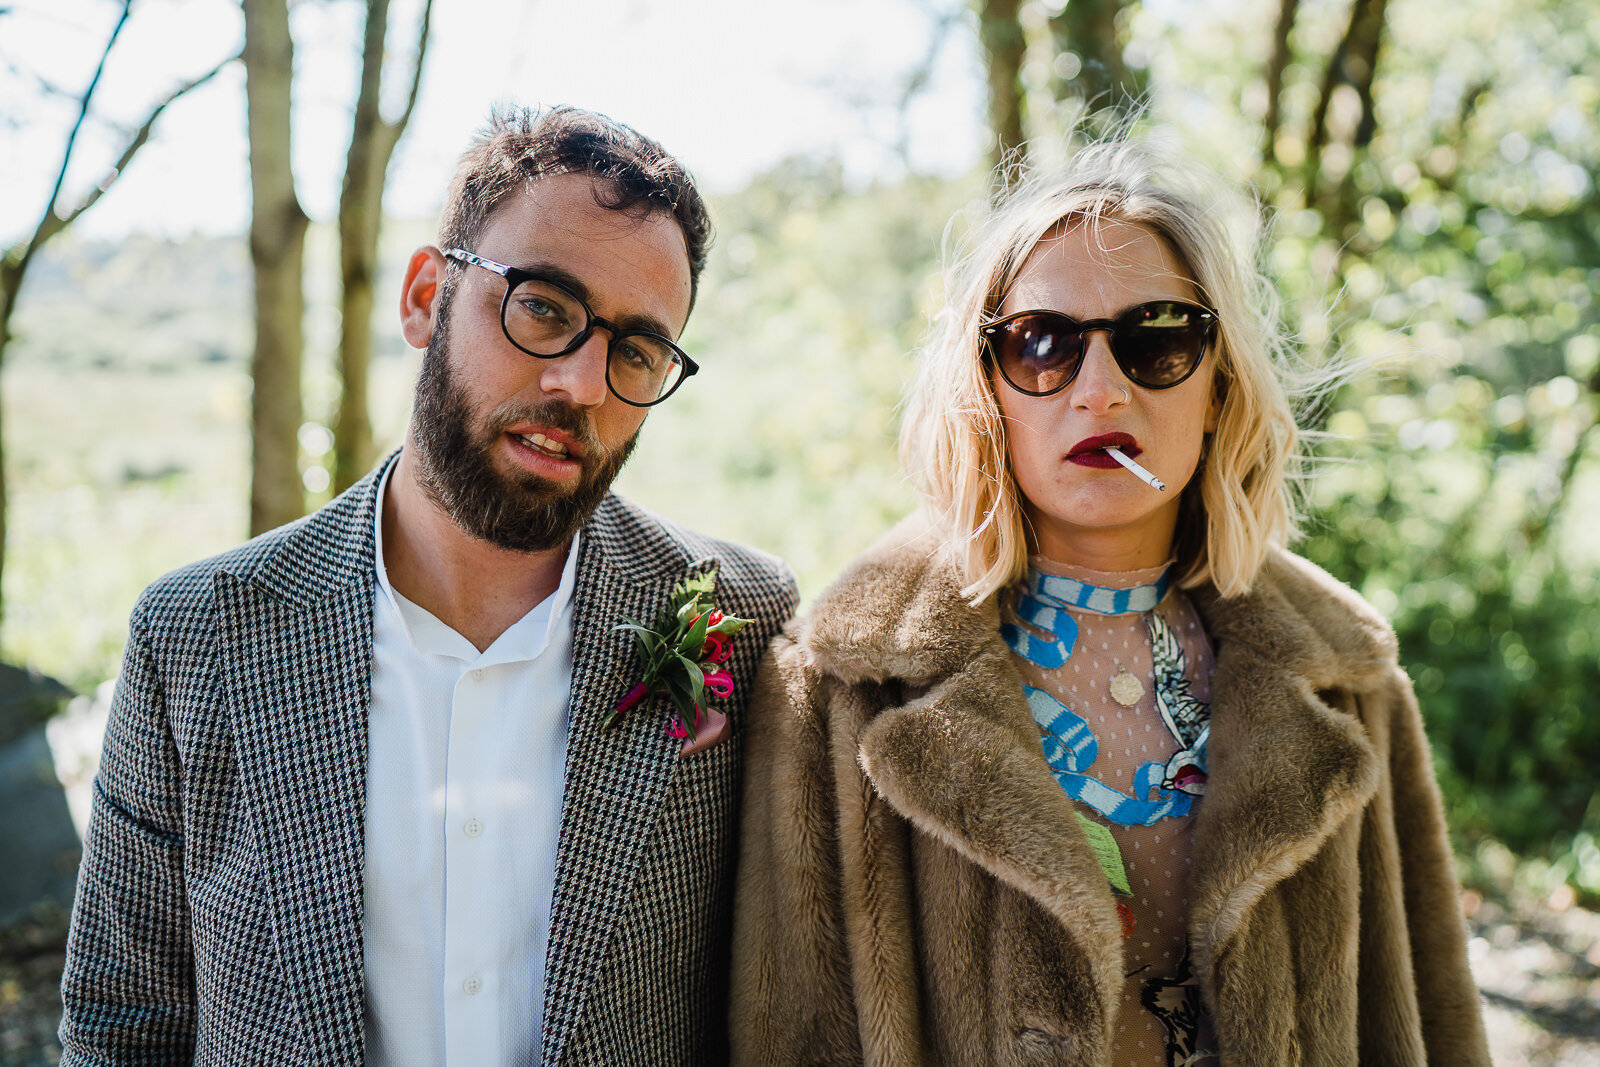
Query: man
(357, 803)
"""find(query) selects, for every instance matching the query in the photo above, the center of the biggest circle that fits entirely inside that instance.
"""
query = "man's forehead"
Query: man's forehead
(562, 219)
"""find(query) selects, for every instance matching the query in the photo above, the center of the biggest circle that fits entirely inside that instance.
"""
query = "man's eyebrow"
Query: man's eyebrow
(571, 281)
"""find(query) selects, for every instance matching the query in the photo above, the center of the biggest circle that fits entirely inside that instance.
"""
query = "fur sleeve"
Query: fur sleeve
(1452, 1025)
(790, 999)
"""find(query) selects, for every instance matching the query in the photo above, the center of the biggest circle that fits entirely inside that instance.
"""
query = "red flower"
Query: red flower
(719, 682)
(674, 727)
(717, 648)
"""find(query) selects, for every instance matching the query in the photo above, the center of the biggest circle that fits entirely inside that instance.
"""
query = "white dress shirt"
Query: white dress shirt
(465, 754)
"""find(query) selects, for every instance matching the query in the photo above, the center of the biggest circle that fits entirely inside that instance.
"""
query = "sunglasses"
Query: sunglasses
(1157, 344)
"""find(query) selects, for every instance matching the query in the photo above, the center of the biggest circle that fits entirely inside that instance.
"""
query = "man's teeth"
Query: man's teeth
(544, 444)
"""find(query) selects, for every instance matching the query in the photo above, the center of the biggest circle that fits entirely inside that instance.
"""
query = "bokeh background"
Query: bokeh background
(1425, 172)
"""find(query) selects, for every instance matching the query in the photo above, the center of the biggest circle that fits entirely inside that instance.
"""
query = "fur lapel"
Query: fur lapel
(1287, 767)
(962, 760)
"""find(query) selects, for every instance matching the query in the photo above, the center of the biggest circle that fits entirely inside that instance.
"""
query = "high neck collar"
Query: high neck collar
(1101, 592)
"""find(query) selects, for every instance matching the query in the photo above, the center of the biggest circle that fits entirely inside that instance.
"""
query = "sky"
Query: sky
(729, 86)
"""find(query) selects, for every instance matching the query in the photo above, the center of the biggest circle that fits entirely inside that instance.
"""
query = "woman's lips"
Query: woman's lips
(1090, 452)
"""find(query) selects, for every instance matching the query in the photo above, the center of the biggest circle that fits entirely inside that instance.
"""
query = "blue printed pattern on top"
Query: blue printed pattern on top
(1161, 789)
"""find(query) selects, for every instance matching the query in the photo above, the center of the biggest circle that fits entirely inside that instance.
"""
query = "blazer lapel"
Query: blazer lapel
(615, 780)
(294, 655)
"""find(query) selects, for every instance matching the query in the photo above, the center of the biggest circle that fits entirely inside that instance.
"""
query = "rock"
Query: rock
(27, 699)
(40, 842)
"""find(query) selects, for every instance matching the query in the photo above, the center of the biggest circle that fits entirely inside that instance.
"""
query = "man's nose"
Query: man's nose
(579, 377)
(1100, 384)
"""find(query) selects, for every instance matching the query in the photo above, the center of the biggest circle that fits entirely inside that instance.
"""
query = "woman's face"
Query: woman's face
(1081, 508)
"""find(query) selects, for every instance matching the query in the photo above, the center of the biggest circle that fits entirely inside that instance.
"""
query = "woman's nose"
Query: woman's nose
(1100, 384)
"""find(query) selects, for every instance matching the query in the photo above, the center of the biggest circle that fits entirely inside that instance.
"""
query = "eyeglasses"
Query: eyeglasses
(1157, 344)
(544, 318)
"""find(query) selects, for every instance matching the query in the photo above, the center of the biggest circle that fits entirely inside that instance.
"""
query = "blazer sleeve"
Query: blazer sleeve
(128, 987)
(791, 1000)
(1452, 1023)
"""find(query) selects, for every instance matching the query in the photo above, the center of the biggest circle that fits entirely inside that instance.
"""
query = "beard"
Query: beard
(522, 511)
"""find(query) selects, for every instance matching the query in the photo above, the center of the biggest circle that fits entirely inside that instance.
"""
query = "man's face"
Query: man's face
(519, 450)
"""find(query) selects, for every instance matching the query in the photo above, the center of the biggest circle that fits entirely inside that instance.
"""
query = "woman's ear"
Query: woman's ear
(419, 295)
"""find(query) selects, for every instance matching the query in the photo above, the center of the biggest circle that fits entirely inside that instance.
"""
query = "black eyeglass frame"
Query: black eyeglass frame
(989, 329)
(515, 276)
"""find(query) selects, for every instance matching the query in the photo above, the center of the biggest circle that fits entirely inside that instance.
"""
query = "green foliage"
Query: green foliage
(1497, 611)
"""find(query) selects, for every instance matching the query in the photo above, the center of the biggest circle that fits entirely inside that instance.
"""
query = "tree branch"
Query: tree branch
(134, 144)
(77, 125)
(416, 75)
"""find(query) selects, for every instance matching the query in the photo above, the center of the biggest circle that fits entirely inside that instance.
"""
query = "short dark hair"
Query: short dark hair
(633, 174)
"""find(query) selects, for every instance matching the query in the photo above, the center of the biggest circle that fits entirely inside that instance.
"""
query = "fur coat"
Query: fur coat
(914, 887)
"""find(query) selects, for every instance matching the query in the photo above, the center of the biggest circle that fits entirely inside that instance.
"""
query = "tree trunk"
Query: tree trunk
(372, 143)
(1277, 66)
(1004, 45)
(1354, 63)
(277, 247)
(1088, 30)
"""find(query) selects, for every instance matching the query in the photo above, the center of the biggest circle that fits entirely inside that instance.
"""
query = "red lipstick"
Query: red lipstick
(1090, 451)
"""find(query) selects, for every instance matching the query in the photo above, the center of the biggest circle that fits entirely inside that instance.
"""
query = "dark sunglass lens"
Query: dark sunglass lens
(1038, 354)
(1159, 344)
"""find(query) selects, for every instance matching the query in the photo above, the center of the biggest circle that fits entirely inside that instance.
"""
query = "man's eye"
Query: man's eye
(541, 308)
(636, 357)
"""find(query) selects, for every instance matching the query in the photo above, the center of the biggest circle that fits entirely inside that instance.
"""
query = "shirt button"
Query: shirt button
(477, 675)
(471, 985)
(473, 827)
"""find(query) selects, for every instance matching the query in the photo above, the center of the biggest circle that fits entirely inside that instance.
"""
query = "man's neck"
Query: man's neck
(473, 587)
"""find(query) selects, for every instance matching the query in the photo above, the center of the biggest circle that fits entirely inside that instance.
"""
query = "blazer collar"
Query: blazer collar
(962, 760)
(320, 556)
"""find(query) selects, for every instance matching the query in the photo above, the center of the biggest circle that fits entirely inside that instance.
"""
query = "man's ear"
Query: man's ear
(419, 295)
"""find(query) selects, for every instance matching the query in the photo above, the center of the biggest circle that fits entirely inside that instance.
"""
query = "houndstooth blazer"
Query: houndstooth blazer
(219, 908)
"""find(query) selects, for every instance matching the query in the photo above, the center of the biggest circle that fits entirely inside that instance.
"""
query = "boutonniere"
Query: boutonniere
(682, 656)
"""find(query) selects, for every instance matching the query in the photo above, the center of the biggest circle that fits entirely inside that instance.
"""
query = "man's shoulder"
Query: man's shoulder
(633, 532)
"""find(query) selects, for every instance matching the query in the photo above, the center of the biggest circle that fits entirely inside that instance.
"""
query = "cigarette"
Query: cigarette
(1143, 475)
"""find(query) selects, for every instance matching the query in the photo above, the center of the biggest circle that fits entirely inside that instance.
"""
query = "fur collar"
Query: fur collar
(962, 760)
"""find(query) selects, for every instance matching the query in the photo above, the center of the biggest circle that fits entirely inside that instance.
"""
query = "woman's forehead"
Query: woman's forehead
(1097, 266)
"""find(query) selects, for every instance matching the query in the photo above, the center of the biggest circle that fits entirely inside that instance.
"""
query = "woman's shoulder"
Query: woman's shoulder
(1296, 609)
(895, 612)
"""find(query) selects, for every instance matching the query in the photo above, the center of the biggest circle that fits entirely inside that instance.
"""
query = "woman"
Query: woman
(1072, 768)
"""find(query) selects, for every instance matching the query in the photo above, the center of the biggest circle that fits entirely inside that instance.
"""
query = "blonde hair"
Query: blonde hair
(953, 440)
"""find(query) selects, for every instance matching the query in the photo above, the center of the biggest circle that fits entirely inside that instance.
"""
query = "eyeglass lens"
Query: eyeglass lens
(1157, 345)
(546, 320)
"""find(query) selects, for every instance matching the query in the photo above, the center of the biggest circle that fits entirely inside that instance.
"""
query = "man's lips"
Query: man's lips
(1090, 452)
(548, 441)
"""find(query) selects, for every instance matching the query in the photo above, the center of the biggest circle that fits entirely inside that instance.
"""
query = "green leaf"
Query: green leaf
(683, 698)
(1107, 852)
(697, 679)
(695, 639)
(730, 624)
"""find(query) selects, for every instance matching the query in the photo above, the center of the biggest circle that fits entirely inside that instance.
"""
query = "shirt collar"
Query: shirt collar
(524, 639)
